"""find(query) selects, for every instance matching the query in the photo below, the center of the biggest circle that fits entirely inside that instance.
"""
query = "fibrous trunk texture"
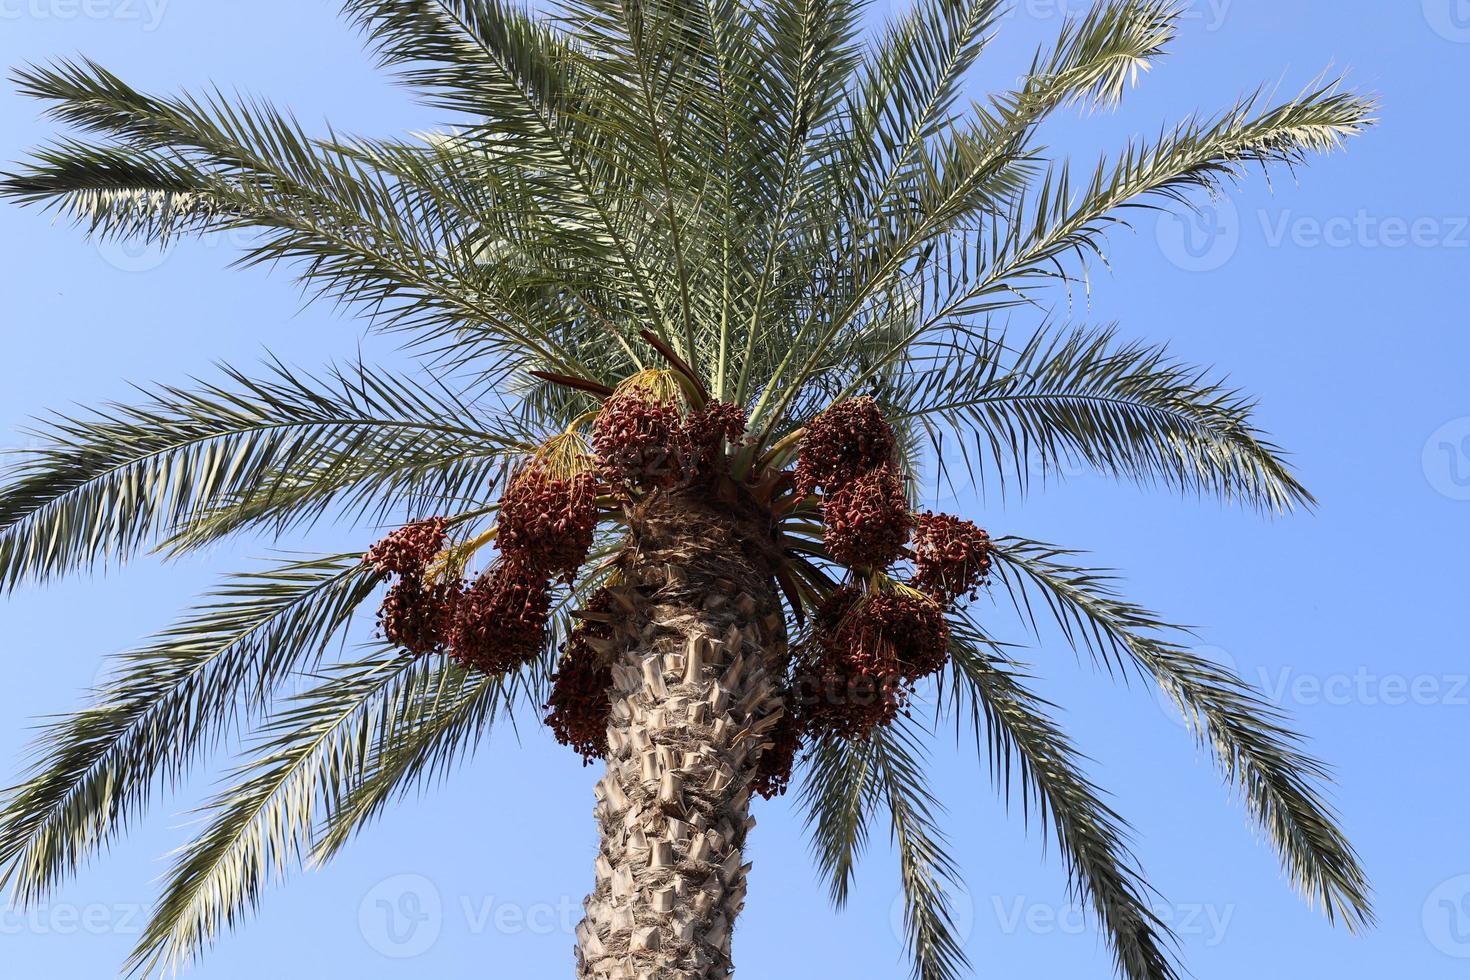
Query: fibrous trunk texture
(695, 698)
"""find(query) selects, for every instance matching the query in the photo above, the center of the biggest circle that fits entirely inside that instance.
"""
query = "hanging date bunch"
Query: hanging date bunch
(548, 512)
(500, 621)
(951, 556)
(579, 702)
(417, 611)
(872, 642)
(773, 768)
(848, 452)
(865, 653)
(644, 439)
(866, 520)
(848, 439)
(639, 434)
(707, 430)
(548, 515)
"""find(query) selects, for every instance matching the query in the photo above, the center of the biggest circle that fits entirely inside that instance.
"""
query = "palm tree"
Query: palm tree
(697, 291)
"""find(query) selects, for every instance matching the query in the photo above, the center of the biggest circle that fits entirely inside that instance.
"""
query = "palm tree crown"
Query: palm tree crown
(750, 224)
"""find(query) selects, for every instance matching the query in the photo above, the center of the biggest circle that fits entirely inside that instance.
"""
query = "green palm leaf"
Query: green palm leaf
(169, 703)
(99, 486)
(263, 823)
(927, 870)
(1028, 750)
(1255, 750)
(1068, 397)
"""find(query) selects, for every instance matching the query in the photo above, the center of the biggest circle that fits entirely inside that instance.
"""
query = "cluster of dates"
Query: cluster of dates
(642, 439)
(498, 621)
(869, 643)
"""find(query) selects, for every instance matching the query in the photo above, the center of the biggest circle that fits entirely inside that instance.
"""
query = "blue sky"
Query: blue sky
(1337, 295)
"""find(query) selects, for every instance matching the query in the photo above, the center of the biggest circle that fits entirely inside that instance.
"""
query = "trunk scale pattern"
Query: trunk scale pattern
(695, 696)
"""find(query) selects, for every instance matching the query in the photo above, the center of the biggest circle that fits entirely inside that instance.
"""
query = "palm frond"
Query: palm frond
(433, 726)
(101, 485)
(1029, 751)
(1101, 54)
(357, 234)
(929, 873)
(168, 704)
(812, 48)
(1080, 396)
(838, 795)
(429, 728)
(1256, 751)
(1057, 219)
(263, 823)
(525, 85)
(955, 183)
(113, 192)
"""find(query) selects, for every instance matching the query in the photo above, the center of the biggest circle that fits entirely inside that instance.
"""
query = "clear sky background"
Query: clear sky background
(1340, 297)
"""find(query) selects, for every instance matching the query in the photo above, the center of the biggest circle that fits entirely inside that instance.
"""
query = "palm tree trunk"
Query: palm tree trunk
(694, 699)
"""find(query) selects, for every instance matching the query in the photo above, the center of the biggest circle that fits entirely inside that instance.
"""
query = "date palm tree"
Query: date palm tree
(746, 220)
